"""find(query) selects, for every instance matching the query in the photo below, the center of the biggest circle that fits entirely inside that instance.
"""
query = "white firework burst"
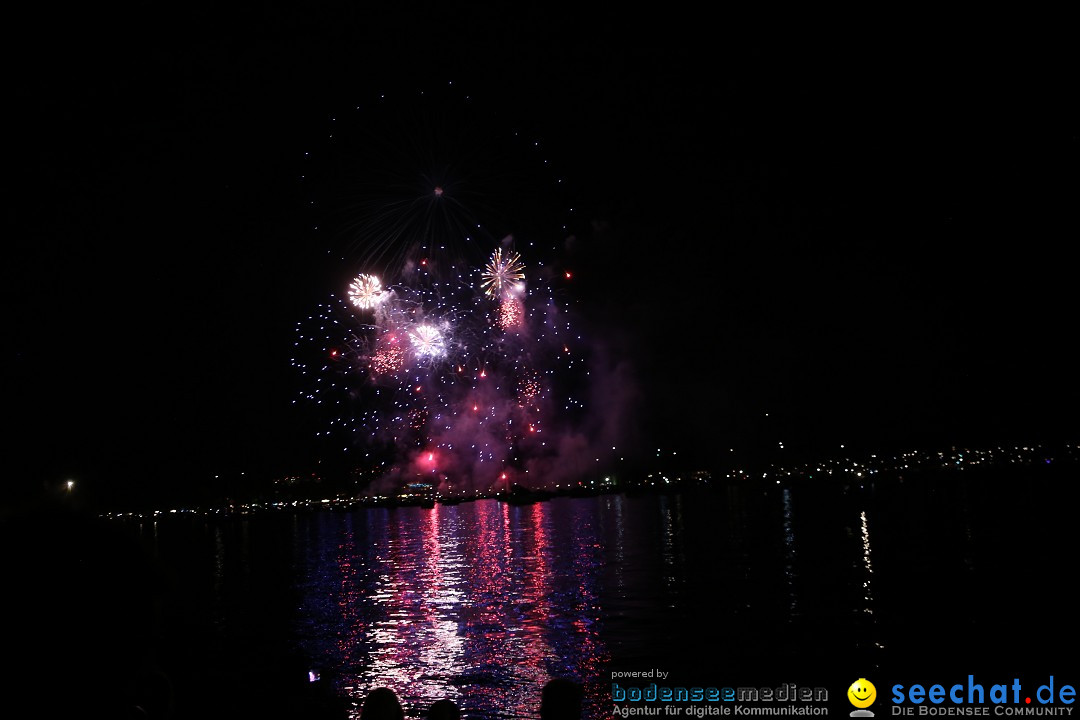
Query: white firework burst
(366, 292)
(428, 341)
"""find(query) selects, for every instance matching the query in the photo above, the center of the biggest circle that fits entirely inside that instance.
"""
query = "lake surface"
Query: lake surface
(483, 602)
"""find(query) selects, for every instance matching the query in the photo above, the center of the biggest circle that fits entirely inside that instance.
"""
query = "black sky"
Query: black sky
(867, 237)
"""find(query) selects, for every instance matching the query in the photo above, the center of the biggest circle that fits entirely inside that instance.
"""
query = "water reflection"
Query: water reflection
(868, 565)
(481, 602)
(871, 635)
(672, 536)
(789, 555)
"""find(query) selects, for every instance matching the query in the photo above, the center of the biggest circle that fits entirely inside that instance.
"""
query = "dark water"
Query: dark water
(931, 578)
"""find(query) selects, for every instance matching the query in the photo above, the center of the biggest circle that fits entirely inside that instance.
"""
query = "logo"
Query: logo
(862, 694)
(973, 698)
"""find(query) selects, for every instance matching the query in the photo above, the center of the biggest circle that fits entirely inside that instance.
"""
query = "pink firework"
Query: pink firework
(510, 312)
(388, 358)
(528, 390)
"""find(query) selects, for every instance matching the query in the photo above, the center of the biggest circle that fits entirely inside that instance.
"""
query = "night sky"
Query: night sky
(867, 238)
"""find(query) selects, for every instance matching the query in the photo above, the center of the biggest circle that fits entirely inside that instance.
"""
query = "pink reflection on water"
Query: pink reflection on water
(481, 603)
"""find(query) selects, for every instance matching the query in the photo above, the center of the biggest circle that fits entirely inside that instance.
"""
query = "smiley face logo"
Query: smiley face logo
(862, 693)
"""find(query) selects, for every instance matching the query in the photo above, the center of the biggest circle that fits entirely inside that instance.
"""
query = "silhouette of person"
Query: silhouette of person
(561, 699)
(382, 704)
(444, 710)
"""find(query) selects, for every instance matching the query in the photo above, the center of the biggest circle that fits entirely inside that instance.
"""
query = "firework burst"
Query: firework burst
(428, 341)
(511, 313)
(366, 292)
(502, 274)
(388, 357)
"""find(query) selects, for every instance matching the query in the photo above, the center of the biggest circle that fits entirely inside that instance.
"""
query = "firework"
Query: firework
(432, 370)
(428, 341)
(440, 363)
(511, 312)
(366, 291)
(502, 274)
(388, 358)
(429, 175)
(529, 388)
